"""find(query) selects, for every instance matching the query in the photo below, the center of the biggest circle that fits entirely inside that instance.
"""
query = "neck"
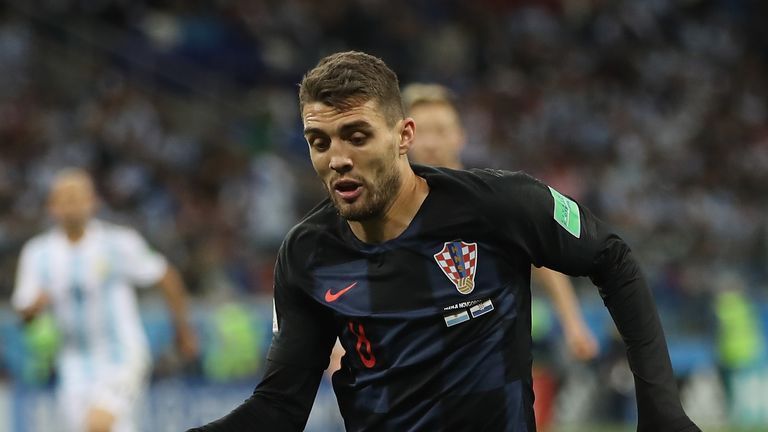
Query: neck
(75, 233)
(413, 191)
(456, 164)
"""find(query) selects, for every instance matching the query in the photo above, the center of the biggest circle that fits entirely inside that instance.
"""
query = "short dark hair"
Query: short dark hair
(347, 79)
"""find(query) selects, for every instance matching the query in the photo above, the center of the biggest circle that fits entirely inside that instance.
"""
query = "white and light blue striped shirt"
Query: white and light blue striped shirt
(91, 287)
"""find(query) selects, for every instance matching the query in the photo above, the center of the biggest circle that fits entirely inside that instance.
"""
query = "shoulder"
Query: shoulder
(481, 183)
(112, 228)
(302, 240)
(38, 242)
(496, 178)
(472, 178)
(117, 234)
(322, 218)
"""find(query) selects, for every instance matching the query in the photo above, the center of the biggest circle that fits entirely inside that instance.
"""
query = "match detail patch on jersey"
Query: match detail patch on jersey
(463, 311)
(458, 260)
(457, 318)
(566, 213)
(481, 309)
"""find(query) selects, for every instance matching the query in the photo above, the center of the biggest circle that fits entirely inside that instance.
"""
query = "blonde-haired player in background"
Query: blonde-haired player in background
(439, 142)
(85, 271)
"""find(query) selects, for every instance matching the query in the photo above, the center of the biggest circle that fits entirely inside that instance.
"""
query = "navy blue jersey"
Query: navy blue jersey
(436, 322)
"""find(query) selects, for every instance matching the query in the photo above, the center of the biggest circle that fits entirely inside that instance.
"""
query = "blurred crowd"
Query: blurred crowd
(653, 114)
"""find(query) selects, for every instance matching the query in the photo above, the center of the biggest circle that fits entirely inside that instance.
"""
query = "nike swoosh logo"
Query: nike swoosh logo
(332, 297)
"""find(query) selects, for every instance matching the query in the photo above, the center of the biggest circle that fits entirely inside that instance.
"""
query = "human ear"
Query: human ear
(407, 133)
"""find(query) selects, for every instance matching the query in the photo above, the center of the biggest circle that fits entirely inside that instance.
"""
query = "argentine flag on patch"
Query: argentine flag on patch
(452, 320)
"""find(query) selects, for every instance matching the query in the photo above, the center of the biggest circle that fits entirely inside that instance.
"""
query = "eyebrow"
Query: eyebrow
(356, 125)
(345, 129)
(313, 131)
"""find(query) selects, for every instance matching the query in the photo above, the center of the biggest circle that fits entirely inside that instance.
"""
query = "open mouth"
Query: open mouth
(348, 189)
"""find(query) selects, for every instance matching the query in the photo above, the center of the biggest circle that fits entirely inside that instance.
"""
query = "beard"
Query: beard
(376, 197)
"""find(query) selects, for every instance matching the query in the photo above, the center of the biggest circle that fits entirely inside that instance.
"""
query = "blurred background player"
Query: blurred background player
(85, 269)
(439, 142)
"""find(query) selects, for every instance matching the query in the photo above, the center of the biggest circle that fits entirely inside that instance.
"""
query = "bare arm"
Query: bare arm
(29, 298)
(176, 298)
(336, 355)
(581, 343)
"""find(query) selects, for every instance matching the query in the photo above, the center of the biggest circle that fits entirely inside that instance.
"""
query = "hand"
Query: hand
(581, 343)
(336, 355)
(186, 343)
(41, 302)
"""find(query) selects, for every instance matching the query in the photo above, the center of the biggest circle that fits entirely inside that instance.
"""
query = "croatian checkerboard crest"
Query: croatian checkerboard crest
(458, 260)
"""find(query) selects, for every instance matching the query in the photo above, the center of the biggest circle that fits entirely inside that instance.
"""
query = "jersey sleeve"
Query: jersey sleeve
(300, 352)
(28, 284)
(303, 331)
(141, 265)
(553, 230)
(280, 403)
(557, 232)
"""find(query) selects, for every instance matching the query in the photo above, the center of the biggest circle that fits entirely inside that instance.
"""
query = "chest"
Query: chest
(414, 278)
(81, 270)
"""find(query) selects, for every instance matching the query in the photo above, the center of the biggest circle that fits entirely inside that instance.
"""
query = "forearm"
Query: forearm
(31, 312)
(631, 305)
(175, 295)
(281, 402)
(560, 291)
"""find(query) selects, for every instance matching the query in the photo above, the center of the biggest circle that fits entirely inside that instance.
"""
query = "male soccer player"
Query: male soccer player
(85, 269)
(439, 142)
(423, 273)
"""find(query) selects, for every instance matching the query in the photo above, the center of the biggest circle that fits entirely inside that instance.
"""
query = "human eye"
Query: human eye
(358, 138)
(319, 143)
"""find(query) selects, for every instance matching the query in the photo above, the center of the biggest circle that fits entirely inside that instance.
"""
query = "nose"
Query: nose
(340, 162)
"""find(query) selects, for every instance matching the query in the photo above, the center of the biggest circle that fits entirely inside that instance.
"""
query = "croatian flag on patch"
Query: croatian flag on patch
(458, 260)
(482, 308)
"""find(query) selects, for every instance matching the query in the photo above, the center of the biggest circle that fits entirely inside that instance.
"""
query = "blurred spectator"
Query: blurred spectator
(83, 272)
(741, 348)
(631, 94)
(185, 113)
